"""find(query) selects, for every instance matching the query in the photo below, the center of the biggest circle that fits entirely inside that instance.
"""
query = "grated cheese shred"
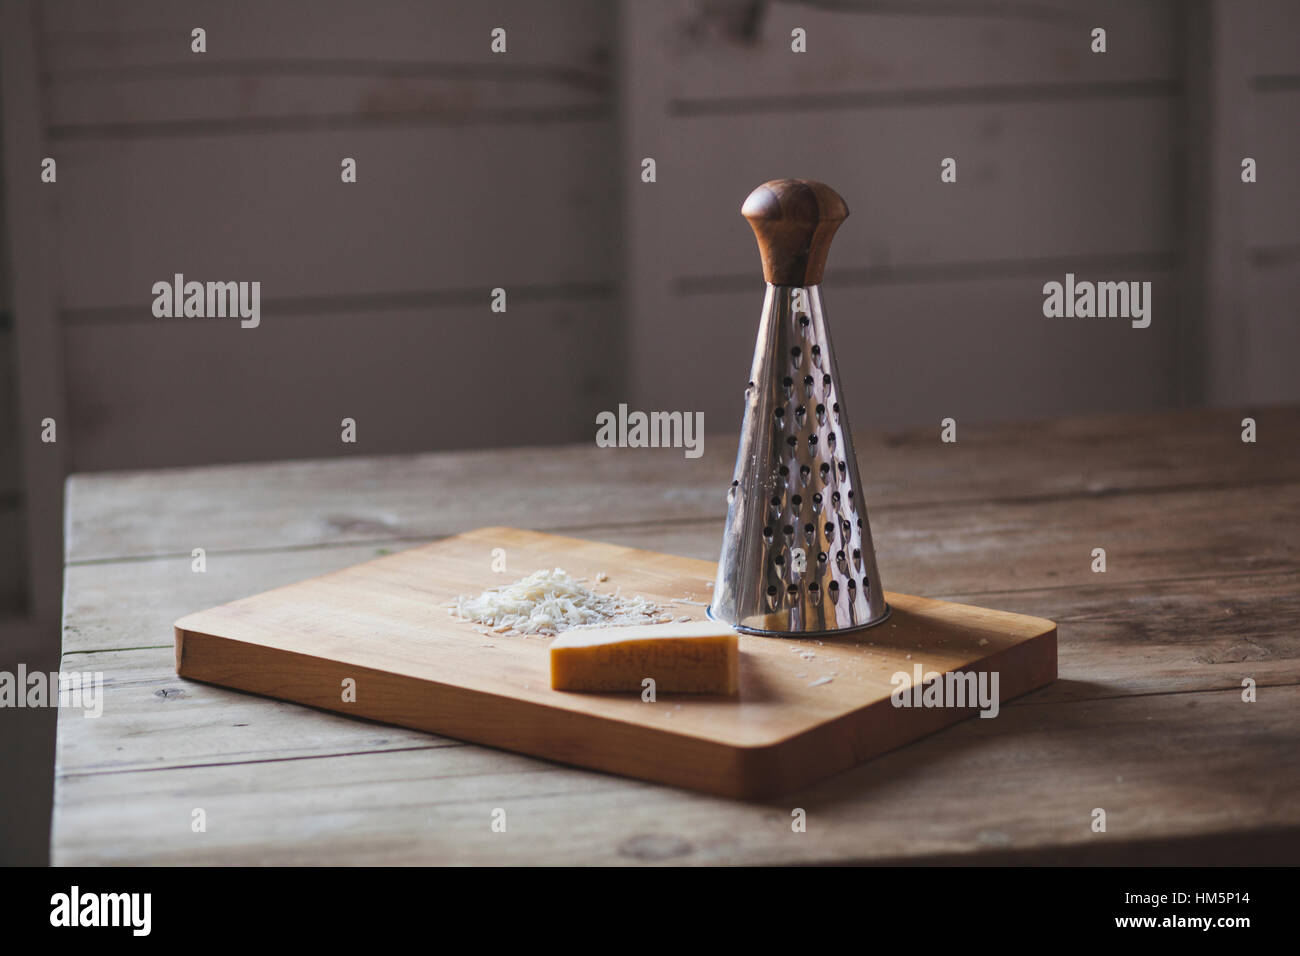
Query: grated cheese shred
(548, 602)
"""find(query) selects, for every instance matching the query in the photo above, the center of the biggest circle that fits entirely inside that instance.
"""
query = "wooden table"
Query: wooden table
(1201, 590)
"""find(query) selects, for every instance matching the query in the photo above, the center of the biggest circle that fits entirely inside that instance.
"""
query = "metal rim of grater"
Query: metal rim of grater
(797, 554)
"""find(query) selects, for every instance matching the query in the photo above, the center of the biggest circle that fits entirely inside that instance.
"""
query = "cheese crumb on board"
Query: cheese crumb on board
(702, 657)
(549, 602)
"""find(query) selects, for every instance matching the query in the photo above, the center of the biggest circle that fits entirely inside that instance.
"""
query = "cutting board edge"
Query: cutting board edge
(733, 770)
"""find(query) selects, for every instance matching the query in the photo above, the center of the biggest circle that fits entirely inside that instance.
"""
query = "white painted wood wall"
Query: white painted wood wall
(478, 171)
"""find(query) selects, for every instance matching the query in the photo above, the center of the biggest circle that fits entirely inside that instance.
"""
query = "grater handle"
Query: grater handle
(794, 220)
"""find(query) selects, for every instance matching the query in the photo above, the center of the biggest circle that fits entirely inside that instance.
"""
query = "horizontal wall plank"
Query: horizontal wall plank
(302, 504)
(166, 392)
(1023, 785)
(113, 66)
(247, 100)
(433, 208)
(916, 353)
(111, 36)
(1036, 180)
(743, 50)
(146, 393)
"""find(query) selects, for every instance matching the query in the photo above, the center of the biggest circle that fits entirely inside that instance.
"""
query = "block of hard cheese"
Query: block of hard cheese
(696, 657)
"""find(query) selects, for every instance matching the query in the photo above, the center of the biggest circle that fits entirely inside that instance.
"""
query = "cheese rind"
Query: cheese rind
(699, 657)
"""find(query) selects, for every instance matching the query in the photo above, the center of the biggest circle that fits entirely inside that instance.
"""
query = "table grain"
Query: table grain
(1147, 721)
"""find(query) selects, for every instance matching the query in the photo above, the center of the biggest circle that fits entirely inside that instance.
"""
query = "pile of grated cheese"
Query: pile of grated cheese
(548, 602)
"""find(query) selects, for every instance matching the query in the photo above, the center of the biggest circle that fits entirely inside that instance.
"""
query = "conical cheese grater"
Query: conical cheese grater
(797, 557)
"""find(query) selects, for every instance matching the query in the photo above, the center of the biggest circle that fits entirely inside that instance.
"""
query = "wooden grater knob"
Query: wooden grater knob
(794, 220)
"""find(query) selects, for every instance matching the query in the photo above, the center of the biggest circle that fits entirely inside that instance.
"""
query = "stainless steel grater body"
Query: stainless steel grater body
(797, 556)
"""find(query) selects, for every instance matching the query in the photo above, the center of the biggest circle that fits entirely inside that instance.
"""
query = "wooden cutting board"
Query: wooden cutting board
(384, 626)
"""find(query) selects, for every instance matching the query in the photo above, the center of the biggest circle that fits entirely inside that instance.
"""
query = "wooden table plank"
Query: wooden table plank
(1166, 766)
(239, 507)
(1147, 719)
(154, 720)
